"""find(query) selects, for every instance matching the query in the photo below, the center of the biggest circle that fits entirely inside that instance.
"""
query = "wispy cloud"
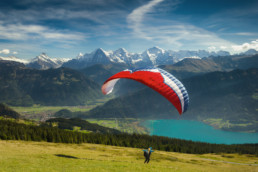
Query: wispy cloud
(245, 34)
(33, 32)
(235, 20)
(135, 18)
(169, 31)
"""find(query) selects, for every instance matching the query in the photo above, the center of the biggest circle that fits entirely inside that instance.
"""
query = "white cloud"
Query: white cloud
(223, 47)
(5, 51)
(234, 49)
(246, 46)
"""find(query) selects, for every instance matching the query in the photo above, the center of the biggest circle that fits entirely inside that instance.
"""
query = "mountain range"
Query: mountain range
(24, 86)
(43, 61)
(223, 87)
(186, 68)
(151, 57)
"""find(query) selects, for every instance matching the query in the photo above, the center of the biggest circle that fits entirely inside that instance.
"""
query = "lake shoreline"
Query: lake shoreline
(226, 125)
(200, 130)
(219, 124)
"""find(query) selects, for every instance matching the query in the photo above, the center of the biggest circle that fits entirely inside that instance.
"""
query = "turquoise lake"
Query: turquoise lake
(198, 131)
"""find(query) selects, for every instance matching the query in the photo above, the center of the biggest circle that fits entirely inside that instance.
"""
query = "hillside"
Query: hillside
(10, 118)
(42, 156)
(22, 86)
(185, 68)
(40, 153)
(8, 112)
(225, 95)
(99, 72)
(192, 67)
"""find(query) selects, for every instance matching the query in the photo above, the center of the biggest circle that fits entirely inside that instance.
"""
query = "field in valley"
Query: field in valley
(128, 125)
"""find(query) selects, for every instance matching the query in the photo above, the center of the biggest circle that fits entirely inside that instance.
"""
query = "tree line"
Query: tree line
(10, 130)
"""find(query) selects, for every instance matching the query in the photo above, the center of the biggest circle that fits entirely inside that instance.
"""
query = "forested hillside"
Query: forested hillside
(227, 95)
(192, 67)
(15, 131)
(7, 112)
(21, 86)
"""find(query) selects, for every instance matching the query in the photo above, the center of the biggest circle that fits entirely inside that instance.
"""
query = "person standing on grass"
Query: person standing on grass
(147, 154)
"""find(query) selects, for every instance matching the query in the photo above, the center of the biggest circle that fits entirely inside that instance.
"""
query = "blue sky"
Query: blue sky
(66, 28)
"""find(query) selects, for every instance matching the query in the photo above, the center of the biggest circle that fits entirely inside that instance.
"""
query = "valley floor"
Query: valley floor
(129, 125)
(43, 156)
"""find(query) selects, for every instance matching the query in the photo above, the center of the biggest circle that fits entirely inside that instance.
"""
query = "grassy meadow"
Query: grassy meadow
(43, 156)
(38, 112)
(41, 112)
(128, 125)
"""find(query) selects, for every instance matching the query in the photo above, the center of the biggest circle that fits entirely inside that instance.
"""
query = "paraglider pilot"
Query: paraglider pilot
(147, 154)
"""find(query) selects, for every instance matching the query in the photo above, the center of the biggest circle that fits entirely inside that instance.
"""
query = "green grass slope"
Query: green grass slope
(42, 156)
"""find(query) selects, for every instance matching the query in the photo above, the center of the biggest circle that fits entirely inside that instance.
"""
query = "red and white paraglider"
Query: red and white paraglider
(157, 79)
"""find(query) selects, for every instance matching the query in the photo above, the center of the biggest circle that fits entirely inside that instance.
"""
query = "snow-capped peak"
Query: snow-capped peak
(153, 53)
(98, 50)
(121, 55)
(151, 56)
(121, 51)
(43, 61)
(42, 57)
(80, 55)
(156, 50)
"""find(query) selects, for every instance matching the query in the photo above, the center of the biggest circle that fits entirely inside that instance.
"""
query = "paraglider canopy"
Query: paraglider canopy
(159, 80)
